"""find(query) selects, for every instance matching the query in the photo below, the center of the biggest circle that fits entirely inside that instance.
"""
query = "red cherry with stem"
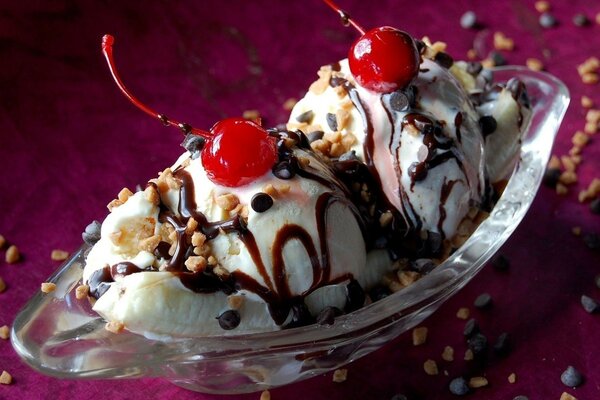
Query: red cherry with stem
(383, 59)
(236, 152)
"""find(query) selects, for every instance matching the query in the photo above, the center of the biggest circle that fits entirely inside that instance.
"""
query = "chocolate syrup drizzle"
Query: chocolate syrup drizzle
(283, 305)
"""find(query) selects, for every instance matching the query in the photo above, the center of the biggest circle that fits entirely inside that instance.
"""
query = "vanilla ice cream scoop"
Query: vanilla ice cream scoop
(189, 257)
(424, 144)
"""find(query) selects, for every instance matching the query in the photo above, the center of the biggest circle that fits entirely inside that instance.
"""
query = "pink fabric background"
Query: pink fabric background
(69, 141)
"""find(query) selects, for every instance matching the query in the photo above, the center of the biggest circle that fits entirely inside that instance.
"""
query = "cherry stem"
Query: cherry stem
(345, 16)
(107, 50)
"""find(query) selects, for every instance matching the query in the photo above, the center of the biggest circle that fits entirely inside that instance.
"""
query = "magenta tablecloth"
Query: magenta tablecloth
(70, 142)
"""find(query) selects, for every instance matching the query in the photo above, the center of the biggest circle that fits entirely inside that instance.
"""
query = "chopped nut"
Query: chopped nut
(337, 149)
(463, 313)
(554, 162)
(534, 64)
(114, 327)
(568, 177)
(588, 66)
(477, 382)
(448, 354)
(212, 260)
(81, 291)
(340, 375)
(567, 163)
(2, 285)
(198, 239)
(149, 244)
(597, 18)
(5, 378)
(501, 42)
(48, 287)
(251, 115)
(512, 378)
(289, 104)
(542, 6)
(196, 263)
(12, 254)
(227, 201)
(580, 139)
(472, 54)
(270, 190)
(152, 195)
(320, 85)
(342, 117)
(4, 332)
(576, 230)
(2, 241)
(567, 396)
(235, 301)
(561, 189)
(430, 367)
(590, 128)
(114, 204)
(59, 255)
(283, 189)
(124, 195)
(408, 277)
(576, 159)
(191, 226)
(586, 102)
(468, 355)
(332, 137)
(590, 78)
(221, 272)
(304, 161)
(419, 335)
(320, 146)
(265, 395)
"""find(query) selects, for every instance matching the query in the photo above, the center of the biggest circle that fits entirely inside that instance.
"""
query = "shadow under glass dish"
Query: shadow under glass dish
(61, 336)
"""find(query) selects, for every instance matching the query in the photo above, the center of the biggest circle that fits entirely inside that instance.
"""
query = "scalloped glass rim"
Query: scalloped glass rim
(58, 336)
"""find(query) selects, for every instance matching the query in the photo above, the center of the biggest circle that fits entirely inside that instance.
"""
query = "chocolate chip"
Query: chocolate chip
(497, 58)
(91, 233)
(434, 243)
(500, 263)
(332, 121)
(595, 205)
(459, 386)
(306, 117)
(502, 344)
(592, 241)
(477, 343)
(547, 20)
(300, 315)
(284, 170)
(193, 144)
(315, 135)
(336, 81)
(483, 301)
(590, 305)
(399, 101)
(471, 328)
(581, 20)
(422, 265)
(551, 177)
(229, 320)
(379, 292)
(348, 156)
(162, 250)
(488, 125)
(468, 20)
(261, 202)
(327, 315)
(443, 59)
(571, 377)
(474, 67)
(355, 296)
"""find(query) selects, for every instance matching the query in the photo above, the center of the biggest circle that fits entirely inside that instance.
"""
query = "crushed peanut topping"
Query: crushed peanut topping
(81, 291)
(512, 378)
(448, 353)
(48, 287)
(463, 313)
(152, 195)
(196, 263)
(340, 375)
(2, 241)
(12, 254)
(236, 301)
(430, 367)
(59, 255)
(477, 382)
(2, 285)
(227, 201)
(265, 395)
(4, 332)
(502, 42)
(419, 335)
(124, 195)
(5, 378)
(114, 326)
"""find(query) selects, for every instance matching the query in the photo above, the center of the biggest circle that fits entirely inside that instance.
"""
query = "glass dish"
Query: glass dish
(61, 336)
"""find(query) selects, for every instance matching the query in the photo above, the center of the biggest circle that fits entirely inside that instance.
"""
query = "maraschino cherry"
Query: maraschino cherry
(237, 150)
(383, 59)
